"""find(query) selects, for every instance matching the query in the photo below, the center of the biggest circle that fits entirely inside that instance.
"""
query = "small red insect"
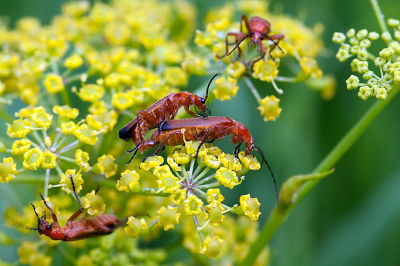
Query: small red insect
(258, 30)
(212, 128)
(103, 224)
(164, 109)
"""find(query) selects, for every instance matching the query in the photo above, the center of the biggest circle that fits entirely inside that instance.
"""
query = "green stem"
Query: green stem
(278, 216)
(286, 79)
(32, 179)
(6, 117)
(252, 89)
(379, 15)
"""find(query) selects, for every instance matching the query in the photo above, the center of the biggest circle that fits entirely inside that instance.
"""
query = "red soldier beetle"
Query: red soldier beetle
(198, 129)
(103, 224)
(258, 30)
(164, 109)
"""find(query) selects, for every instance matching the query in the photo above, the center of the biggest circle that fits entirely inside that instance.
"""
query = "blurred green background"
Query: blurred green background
(351, 217)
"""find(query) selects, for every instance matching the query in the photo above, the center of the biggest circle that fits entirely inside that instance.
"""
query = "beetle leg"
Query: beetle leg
(143, 118)
(262, 54)
(237, 149)
(168, 106)
(135, 150)
(209, 131)
(277, 37)
(77, 213)
(48, 207)
(187, 104)
(246, 23)
(239, 36)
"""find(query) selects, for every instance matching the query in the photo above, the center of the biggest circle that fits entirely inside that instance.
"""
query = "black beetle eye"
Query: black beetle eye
(203, 101)
(48, 227)
(262, 37)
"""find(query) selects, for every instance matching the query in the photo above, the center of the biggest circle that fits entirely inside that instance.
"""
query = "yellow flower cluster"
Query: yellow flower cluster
(191, 191)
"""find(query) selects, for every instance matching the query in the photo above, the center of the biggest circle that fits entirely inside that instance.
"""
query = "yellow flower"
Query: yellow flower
(230, 162)
(203, 38)
(178, 196)
(19, 129)
(28, 96)
(180, 156)
(212, 247)
(20, 146)
(168, 183)
(48, 160)
(68, 128)
(97, 108)
(225, 88)
(193, 205)
(82, 159)
(54, 83)
(214, 196)
(66, 111)
(73, 62)
(176, 76)
(32, 159)
(129, 181)
(122, 101)
(310, 67)
(195, 65)
(249, 161)
(8, 170)
(269, 108)
(91, 93)
(106, 165)
(39, 259)
(135, 226)
(42, 120)
(26, 250)
(151, 162)
(211, 161)
(117, 33)
(162, 171)
(250, 206)
(104, 121)
(227, 177)
(66, 180)
(85, 134)
(94, 203)
(168, 217)
(236, 69)
(174, 165)
(214, 214)
(266, 70)
(85, 260)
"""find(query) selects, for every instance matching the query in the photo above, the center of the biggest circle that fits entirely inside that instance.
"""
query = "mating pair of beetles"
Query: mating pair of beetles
(161, 115)
(203, 128)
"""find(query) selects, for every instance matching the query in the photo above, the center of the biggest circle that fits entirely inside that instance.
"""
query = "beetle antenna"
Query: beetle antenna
(34, 209)
(276, 44)
(12, 222)
(272, 174)
(237, 45)
(208, 86)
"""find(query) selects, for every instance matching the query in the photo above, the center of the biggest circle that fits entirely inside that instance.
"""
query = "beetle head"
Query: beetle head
(256, 37)
(43, 226)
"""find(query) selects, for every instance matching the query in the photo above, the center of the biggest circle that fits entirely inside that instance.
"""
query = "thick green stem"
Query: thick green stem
(379, 15)
(277, 217)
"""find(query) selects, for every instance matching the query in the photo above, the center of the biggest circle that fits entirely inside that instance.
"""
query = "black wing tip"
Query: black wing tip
(125, 133)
